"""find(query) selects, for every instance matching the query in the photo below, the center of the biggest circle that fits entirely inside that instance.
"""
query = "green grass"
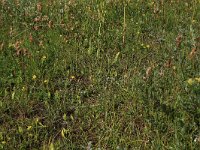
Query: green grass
(100, 74)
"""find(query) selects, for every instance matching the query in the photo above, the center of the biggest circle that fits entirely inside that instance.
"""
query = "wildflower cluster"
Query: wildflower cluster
(192, 81)
(147, 46)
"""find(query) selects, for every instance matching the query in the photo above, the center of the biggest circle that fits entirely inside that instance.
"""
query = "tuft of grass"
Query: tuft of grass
(115, 74)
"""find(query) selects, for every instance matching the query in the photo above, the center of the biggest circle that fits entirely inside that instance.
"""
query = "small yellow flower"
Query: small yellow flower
(29, 127)
(3, 142)
(147, 46)
(197, 79)
(23, 88)
(34, 77)
(44, 58)
(46, 81)
(190, 81)
(193, 21)
(72, 77)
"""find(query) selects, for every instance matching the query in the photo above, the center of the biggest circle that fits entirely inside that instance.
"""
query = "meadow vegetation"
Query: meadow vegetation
(101, 74)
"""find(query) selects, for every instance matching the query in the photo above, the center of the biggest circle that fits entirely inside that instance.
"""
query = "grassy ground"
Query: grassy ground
(115, 74)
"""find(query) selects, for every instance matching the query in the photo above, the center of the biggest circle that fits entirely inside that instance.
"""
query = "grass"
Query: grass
(99, 74)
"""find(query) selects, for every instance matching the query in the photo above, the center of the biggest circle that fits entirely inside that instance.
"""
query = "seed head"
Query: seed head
(192, 53)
